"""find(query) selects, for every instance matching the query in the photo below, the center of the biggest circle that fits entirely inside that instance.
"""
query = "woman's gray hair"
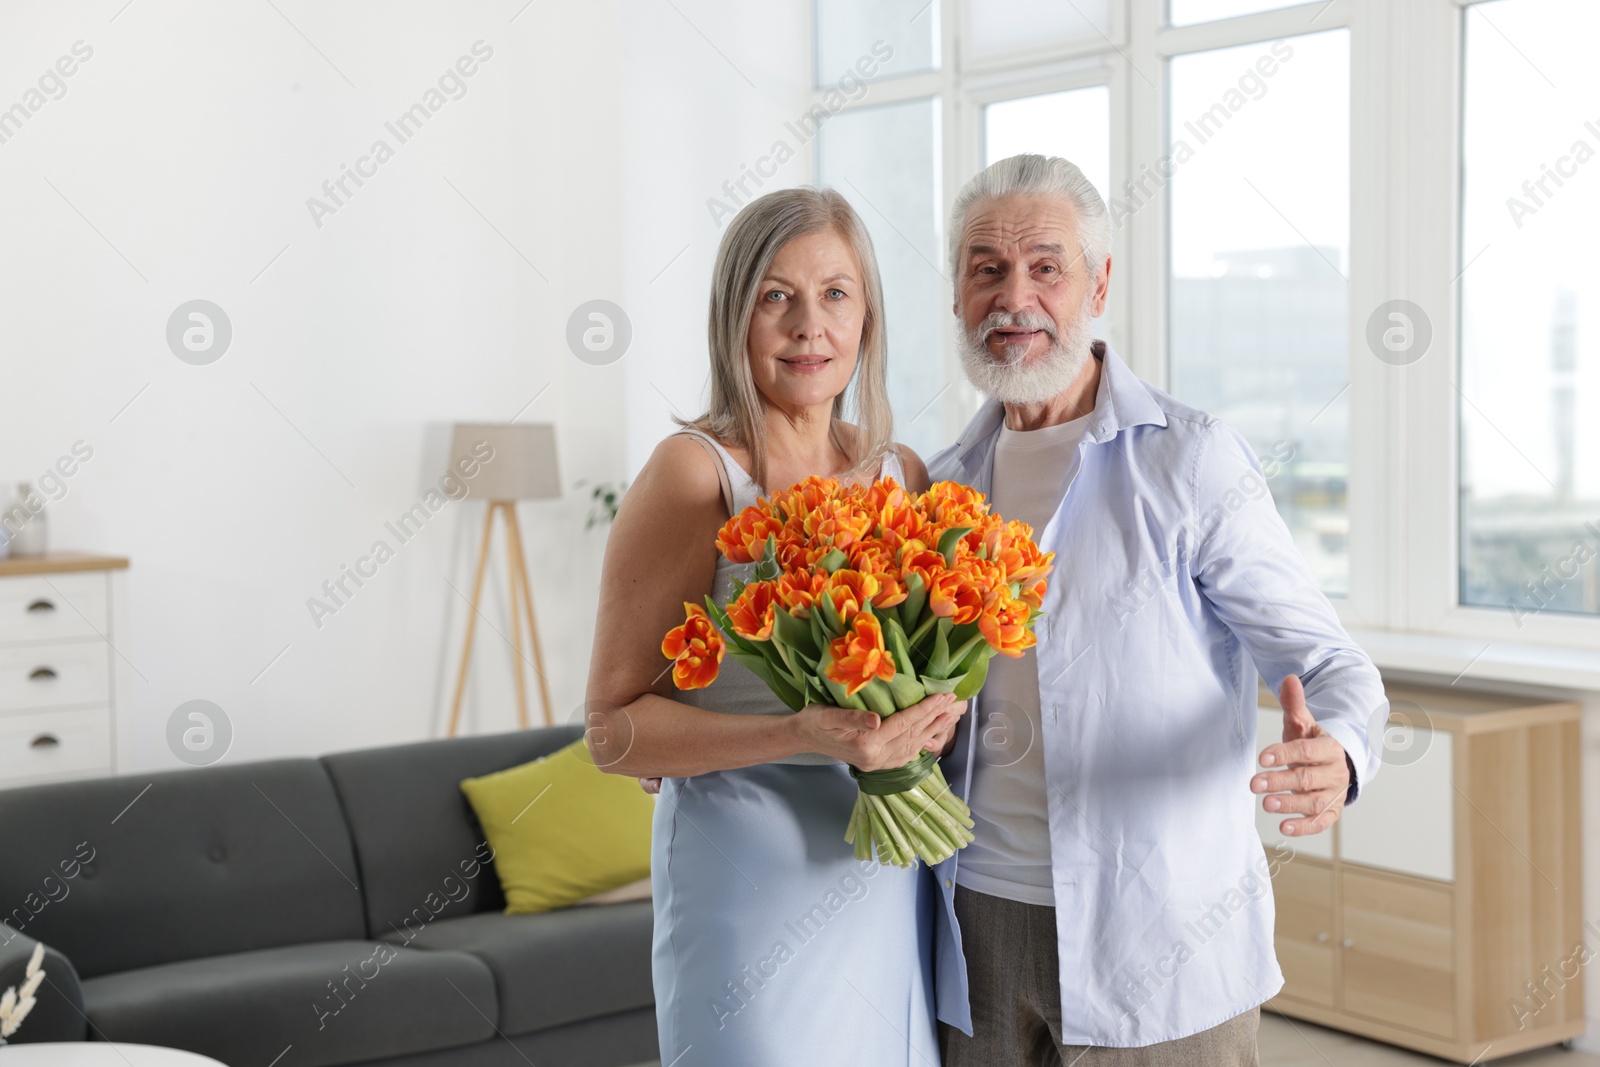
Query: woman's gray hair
(1035, 175)
(748, 248)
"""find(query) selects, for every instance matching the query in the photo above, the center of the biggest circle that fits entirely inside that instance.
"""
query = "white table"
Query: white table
(99, 1054)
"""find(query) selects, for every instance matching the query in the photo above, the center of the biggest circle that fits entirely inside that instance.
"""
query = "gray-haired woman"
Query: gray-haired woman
(773, 945)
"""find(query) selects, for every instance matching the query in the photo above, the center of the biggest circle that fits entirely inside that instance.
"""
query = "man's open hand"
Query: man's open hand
(1314, 777)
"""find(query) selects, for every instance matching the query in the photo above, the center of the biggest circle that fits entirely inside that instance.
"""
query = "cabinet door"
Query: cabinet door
(1398, 951)
(1302, 890)
(1404, 819)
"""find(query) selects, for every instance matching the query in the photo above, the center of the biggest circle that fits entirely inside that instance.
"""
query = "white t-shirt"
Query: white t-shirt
(1010, 854)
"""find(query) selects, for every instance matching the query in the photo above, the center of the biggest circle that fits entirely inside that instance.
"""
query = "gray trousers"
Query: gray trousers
(1015, 985)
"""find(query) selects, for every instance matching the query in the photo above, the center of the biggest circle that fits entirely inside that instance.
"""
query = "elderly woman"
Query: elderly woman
(773, 945)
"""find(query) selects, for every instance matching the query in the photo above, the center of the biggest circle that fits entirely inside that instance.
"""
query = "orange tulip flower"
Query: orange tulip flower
(743, 538)
(985, 574)
(751, 612)
(918, 558)
(886, 495)
(802, 497)
(797, 590)
(850, 590)
(841, 525)
(859, 656)
(1013, 547)
(902, 524)
(953, 504)
(1004, 624)
(696, 649)
(954, 595)
(800, 554)
(873, 556)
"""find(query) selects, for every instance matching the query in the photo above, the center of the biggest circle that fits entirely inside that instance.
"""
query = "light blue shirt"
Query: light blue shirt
(1175, 582)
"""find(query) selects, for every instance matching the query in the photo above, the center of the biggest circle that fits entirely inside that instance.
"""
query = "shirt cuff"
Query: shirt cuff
(1352, 741)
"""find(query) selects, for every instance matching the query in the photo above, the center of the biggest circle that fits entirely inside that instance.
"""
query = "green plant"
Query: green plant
(604, 500)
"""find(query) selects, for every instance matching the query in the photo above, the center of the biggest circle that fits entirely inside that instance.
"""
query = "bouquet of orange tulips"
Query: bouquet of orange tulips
(871, 597)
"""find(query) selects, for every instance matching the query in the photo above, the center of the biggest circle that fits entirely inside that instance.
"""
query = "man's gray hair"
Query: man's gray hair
(1035, 175)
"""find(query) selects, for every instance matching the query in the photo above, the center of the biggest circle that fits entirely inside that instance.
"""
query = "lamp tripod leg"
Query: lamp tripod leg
(533, 627)
(518, 584)
(472, 619)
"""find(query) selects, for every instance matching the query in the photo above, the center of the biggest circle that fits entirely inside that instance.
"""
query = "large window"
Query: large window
(1529, 381)
(1259, 144)
(1404, 323)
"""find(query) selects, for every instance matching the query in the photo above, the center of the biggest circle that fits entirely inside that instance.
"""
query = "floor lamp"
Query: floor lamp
(513, 462)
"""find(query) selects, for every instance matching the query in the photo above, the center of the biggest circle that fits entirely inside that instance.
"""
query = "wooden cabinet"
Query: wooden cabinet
(1397, 947)
(1303, 892)
(1443, 913)
(62, 681)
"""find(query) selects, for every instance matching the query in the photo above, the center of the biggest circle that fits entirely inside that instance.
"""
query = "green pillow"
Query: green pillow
(562, 829)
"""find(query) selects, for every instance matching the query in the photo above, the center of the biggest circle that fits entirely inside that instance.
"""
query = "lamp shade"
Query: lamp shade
(523, 466)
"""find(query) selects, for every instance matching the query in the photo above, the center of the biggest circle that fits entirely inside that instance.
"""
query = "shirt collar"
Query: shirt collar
(1121, 401)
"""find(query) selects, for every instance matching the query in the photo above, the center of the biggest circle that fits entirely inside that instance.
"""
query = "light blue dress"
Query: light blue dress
(774, 946)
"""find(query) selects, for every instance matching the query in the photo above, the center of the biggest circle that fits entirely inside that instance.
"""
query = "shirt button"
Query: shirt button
(947, 883)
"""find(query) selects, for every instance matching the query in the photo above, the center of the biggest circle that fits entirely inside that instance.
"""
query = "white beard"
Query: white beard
(1013, 382)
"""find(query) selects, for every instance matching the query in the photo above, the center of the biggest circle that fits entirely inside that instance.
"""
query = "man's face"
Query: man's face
(1025, 297)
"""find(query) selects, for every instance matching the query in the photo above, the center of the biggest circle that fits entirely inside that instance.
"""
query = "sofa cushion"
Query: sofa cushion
(139, 870)
(589, 833)
(418, 844)
(335, 1002)
(555, 967)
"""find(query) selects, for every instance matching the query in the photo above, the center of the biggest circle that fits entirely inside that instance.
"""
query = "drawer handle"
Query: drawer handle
(40, 606)
(1322, 937)
(42, 674)
(1348, 943)
(45, 741)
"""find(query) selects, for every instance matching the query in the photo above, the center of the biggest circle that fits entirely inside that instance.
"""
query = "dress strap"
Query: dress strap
(720, 458)
(891, 467)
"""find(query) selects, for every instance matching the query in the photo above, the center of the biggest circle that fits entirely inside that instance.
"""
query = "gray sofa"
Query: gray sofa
(311, 912)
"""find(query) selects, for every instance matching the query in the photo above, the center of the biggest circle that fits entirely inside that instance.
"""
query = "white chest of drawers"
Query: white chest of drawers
(62, 682)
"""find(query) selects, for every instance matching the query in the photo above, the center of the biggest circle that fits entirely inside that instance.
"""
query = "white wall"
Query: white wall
(191, 141)
(701, 113)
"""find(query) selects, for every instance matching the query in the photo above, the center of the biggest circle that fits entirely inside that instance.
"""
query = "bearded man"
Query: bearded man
(1115, 907)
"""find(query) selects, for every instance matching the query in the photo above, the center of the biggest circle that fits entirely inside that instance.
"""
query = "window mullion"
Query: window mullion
(1142, 235)
(1424, 498)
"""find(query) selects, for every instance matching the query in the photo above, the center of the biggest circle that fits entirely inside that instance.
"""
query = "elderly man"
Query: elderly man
(1115, 907)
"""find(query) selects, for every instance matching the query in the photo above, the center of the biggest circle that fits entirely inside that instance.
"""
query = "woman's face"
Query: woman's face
(805, 332)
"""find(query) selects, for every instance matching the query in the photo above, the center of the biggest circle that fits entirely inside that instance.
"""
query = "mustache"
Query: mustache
(1019, 320)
